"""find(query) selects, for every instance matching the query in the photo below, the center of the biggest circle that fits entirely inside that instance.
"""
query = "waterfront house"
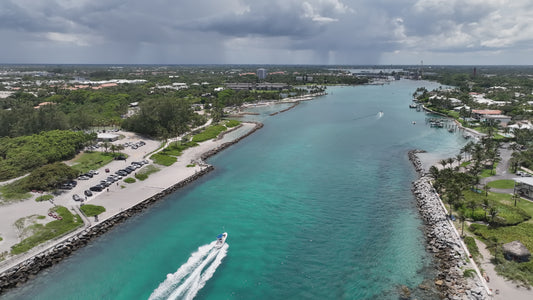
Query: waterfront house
(524, 186)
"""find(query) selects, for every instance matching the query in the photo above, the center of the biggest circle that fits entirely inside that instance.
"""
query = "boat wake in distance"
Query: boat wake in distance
(193, 275)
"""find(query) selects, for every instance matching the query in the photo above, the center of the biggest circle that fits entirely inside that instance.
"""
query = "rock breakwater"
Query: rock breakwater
(444, 242)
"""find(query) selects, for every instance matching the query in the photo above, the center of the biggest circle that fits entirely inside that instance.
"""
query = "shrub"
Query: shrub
(470, 243)
(145, 172)
(129, 180)
(469, 273)
(44, 198)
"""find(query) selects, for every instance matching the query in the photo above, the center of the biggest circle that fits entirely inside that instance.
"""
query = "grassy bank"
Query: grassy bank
(42, 233)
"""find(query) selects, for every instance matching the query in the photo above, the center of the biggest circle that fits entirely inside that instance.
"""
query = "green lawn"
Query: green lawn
(502, 184)
(232, 123)
(93, 160)
(164, 160)
(210, 132)
(51, 230)
(92, 210)
(488, 172)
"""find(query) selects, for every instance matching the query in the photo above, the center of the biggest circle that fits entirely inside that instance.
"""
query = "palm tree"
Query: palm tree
(450, 161)
(106, 145)
(462, 218)
(443, 162)
(515, 197)
(434, 172)
(486, 188)
(459, 157)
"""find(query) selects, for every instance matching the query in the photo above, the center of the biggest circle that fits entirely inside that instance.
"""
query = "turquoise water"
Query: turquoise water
(317, 205)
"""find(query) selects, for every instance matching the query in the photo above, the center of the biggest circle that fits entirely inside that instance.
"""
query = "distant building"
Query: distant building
(258, 86)
(107, 137)
(261, 73)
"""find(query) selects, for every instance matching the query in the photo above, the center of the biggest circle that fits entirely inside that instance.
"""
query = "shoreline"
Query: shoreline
(444, 242)
(56, 250)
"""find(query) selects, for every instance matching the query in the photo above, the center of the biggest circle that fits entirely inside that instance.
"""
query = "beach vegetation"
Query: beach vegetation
(168, 156)
(41, 233)
(470, 243)
(210, 132)
(129, 180)
(92, 210)
(12, 193)
(469, 273)
(191, 165)
(164, 160)
(232, 123)
(146, 171)
(44, 198)
(93, 160)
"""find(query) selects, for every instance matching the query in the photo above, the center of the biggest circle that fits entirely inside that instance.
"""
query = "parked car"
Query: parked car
(107, 170)
(96, 188)
(88, 193)
(83, 177)
(76, 197)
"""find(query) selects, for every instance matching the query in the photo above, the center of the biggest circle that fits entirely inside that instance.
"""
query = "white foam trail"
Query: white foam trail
(191, 276)
(172, 280)
(208, 273)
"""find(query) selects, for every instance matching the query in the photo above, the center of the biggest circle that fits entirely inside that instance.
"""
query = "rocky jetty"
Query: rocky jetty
(444, 242)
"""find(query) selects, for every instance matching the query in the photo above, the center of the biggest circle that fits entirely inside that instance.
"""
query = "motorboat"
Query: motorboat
(221, 239)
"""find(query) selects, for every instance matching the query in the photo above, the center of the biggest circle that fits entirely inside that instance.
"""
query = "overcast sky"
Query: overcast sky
(470, 32)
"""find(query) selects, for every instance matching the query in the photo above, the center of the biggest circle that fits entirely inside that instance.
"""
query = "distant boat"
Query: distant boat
(413, 105)
(221, 239)
(414, 122)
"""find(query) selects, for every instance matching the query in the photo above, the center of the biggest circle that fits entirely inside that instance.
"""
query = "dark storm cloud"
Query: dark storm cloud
(230, 31)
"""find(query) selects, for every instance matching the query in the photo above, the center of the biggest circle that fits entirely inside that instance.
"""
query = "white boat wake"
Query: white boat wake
(191, 276)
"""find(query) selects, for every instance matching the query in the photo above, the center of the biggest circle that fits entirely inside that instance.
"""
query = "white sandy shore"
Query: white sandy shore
(115, 200)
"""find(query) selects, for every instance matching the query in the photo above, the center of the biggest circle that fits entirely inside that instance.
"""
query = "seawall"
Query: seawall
(444, 242)
(29, 268)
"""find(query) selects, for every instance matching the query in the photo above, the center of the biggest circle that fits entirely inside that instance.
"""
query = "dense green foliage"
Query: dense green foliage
(92, 210)
(22, 154)
(69, 110)
(46, 178)
(51, 230)
(163, 117)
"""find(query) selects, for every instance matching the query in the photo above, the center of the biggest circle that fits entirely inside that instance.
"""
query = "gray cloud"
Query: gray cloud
(276, 31)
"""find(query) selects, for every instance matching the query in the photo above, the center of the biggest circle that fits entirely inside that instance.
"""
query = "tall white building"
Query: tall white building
(261, 73)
